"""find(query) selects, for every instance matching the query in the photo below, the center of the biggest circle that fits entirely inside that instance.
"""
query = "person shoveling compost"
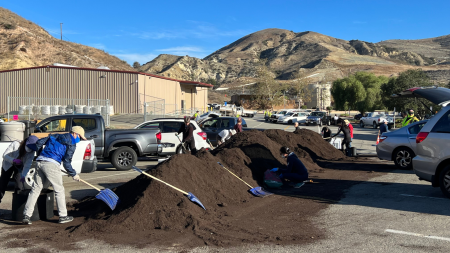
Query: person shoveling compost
(296, 173)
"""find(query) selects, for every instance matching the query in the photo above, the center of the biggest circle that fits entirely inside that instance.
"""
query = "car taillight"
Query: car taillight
(88, 152)
(382, 138)
(378, 120)
(203, 135)
(158, 137)
(421, 137)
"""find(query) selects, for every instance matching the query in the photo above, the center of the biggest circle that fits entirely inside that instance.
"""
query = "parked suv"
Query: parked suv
(432, 161)
(169, 127)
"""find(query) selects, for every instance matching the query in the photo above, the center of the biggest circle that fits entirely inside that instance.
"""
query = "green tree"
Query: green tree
(267, 92)
(299, 85)
(360, 91)
(136, 65)
(407, 79)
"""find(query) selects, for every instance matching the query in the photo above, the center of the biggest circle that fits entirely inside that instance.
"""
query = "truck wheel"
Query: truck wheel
(306, 124)
(251, 115)
(290, 122)
(361, 124)
(444, 181)
(374, 125)
(124, 158)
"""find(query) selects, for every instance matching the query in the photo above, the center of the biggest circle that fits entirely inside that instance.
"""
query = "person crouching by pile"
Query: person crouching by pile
(347, 137)
(295, 173)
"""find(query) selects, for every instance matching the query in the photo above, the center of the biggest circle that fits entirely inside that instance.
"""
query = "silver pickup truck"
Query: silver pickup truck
(121, 147)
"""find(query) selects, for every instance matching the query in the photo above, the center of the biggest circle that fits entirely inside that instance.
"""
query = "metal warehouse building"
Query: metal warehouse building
(126, 91)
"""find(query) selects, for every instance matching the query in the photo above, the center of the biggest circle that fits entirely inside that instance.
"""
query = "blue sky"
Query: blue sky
(141, 30)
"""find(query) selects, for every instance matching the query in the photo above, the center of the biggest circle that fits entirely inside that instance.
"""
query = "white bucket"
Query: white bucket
(12, 131)
(22, 109)
(62, 110)
(79, 108)
(45, 110)
(69, 110)
(87, 110)
(96, 109)
(54, 109)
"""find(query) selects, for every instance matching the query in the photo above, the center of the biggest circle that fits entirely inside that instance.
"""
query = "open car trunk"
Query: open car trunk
(437, 95)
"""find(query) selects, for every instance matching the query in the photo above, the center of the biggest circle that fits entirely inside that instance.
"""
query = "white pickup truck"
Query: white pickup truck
(374, 120)
(230, 109)
(83, 160)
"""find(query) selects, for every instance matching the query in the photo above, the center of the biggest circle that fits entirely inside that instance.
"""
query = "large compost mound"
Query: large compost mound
(152, 213)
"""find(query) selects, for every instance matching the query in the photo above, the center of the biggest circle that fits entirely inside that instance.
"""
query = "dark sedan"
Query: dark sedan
(358, 116)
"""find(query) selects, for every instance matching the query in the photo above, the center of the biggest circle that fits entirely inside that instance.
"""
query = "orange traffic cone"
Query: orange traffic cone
(378, 137)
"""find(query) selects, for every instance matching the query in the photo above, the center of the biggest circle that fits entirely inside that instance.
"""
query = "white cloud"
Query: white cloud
(141, 58)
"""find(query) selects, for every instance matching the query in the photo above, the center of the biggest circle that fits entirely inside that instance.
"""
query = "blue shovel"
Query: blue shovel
(189, 195)
(105, 195)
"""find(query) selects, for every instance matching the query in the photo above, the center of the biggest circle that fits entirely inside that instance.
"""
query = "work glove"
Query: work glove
(17, 162)
(76, 177)
(274, 170)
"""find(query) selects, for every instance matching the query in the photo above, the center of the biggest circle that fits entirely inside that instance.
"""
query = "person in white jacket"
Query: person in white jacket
(17, 160)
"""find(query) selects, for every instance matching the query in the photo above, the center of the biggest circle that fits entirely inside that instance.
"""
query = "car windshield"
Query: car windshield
(283, 112)
(319, 114)
(206, 114)
(289, 114)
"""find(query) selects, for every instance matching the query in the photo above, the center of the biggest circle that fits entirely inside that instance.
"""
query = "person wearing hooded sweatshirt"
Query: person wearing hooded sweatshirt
(17, 160)
(295, 172)
(59, 148)
(346, 131)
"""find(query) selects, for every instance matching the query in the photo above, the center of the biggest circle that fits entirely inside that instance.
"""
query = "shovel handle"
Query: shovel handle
(157, 179)
(235, 175)
(90, 185)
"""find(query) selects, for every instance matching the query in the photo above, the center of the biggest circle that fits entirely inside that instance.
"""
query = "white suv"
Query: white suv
(432, 161)
(169, 127)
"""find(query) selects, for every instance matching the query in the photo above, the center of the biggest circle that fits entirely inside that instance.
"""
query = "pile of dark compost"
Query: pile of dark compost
(149, 212)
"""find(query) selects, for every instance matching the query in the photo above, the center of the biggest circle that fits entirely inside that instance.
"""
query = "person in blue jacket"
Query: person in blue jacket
(295, 172)
(58, 148)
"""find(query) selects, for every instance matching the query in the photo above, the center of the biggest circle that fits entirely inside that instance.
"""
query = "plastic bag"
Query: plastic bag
(272, 180)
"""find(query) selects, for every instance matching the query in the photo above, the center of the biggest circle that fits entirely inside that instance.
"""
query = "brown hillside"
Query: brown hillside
(24, 44)
(288, 53)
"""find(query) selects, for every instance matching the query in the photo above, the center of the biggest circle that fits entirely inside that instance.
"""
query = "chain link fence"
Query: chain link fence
(30, 108)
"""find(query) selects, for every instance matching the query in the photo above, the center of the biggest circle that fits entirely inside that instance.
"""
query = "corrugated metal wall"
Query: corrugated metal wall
(126, 91)
(119, 88)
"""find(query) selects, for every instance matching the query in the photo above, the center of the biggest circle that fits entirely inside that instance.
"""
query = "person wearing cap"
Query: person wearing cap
(188, 134)
(17, 160)
(59, 148)
(384, 127)
(295, 172)
(410, 118)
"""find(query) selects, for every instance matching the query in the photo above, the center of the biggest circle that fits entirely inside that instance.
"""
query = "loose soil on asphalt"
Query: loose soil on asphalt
(150, 213)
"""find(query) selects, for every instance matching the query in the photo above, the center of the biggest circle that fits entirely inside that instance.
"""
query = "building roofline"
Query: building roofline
(116, 71)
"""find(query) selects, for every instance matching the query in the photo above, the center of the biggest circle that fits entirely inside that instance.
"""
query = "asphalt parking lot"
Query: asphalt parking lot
(394, 212)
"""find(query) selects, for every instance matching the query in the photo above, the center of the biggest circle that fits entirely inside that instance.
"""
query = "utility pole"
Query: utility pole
(60, 25)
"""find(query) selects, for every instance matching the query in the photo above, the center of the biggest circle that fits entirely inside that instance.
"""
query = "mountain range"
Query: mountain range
(286, 53)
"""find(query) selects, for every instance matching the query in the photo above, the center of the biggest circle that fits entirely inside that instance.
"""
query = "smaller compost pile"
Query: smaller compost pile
(150, 212)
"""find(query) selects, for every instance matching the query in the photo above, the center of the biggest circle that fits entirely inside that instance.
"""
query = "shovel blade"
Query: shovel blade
(194, 199)
(259, 192)
(109, 197)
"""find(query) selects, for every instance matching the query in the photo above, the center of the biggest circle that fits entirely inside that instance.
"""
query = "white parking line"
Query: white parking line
(418, 196)
(258, 124)
(418, 235)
